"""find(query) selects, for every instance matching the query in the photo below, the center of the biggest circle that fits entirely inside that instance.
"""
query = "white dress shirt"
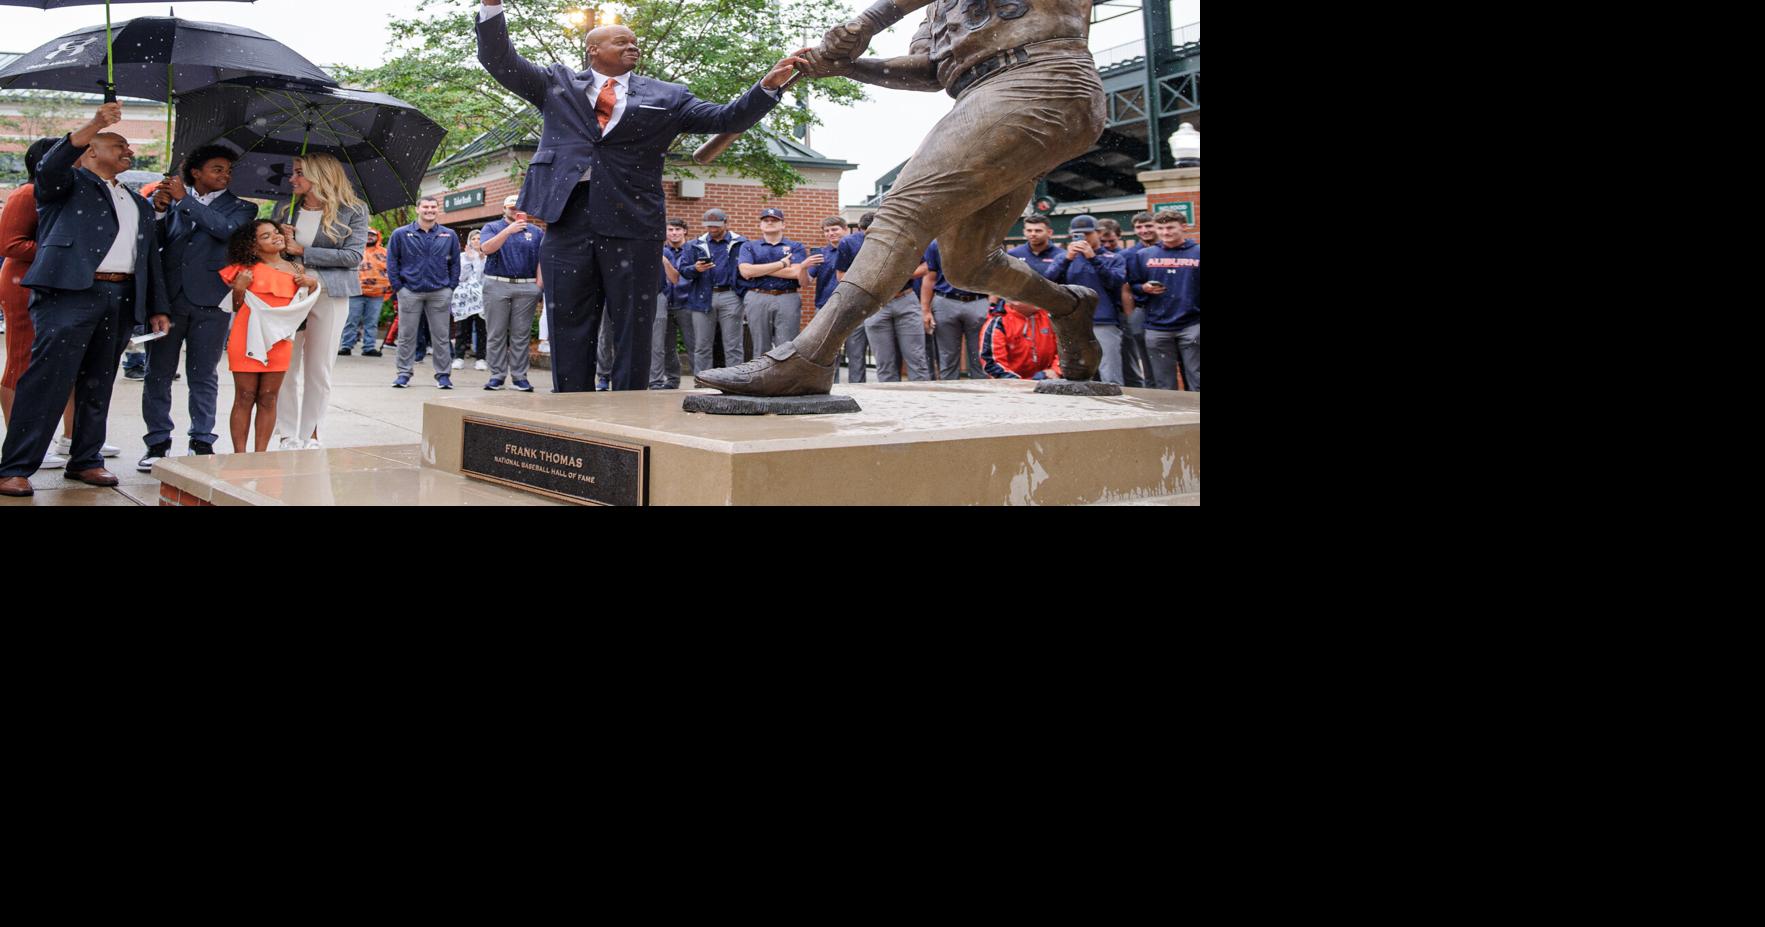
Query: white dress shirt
(120, 259)
(622, 83)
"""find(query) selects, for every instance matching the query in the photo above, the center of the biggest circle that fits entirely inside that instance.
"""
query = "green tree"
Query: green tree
(717, 48)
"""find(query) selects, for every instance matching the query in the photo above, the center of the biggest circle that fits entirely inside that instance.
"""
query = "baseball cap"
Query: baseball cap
(1082, 224)
(772, 212)
(715, 218)
(511, 200)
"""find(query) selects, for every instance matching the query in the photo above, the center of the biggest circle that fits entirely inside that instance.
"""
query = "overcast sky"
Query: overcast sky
(876, 135)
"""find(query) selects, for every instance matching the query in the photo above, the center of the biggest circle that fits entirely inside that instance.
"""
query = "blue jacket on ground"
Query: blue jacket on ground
(1179, 269)
(723, 255)
(423, 262)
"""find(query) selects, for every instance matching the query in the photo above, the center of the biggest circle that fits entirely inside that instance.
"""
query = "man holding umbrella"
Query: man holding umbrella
(96, 275)
(596, 181)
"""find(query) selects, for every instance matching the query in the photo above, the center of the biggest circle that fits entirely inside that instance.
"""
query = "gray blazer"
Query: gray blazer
(337, 263)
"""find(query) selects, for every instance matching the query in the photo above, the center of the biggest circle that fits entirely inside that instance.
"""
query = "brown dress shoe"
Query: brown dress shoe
(779, 372)
(15, 486)
(97, 476)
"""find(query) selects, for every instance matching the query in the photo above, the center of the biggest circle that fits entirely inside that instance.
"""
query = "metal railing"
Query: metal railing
(1121, 54)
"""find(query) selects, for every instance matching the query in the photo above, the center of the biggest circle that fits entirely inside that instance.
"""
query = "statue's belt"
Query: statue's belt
(1014, 57)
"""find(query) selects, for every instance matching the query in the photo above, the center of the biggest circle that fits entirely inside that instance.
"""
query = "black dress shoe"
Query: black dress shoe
(342, 352)
(367, 353)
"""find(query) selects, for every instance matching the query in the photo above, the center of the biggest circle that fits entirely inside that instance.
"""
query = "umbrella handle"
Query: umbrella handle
(109, 60)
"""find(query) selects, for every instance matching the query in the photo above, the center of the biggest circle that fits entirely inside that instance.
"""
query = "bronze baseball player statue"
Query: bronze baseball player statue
(1028, 97)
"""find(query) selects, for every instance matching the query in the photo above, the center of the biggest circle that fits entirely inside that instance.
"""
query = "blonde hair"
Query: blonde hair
(332, 186)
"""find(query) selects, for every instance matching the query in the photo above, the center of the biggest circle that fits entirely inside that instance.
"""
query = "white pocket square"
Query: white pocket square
(648, 106)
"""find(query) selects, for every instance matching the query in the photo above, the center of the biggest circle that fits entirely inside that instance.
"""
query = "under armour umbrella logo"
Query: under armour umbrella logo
(71, 48)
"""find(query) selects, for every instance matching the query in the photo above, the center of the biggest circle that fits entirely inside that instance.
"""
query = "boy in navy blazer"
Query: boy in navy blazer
(596, 181)
(198, 220)
(96, 276)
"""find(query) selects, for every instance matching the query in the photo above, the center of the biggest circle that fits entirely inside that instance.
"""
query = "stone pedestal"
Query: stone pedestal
(961, 443)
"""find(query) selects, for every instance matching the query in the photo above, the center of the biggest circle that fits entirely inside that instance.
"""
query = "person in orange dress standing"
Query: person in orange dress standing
(18, 245)
(259, 267)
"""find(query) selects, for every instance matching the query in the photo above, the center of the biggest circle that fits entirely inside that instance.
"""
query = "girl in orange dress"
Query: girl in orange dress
(258, 267)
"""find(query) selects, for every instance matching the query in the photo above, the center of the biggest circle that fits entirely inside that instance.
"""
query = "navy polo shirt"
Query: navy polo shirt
(943, 287)
(676, 292)
(423, 262)
(757, 251)
(827, 275)
(519, 255)
(1048, 263)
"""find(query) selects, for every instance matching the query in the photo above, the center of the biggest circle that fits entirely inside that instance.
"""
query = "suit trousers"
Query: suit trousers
(588, 276)
(306, 389)
(508, 312)
(897, 332)
(671, 327)
(959, 324)
(80, 339)
(204, 330)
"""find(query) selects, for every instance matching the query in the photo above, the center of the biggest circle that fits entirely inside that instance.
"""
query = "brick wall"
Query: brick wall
(1193, 198)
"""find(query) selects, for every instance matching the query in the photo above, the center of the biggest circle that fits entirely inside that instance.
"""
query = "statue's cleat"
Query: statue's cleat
(1080, 354)
(779, 372)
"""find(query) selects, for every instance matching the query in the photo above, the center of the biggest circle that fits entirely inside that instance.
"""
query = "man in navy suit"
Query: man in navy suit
(96, 275)
(199, 218)
(596, 181)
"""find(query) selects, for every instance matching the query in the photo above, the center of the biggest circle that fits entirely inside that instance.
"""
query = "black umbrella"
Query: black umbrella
(156, 57)
(384, 143)
(110, 78)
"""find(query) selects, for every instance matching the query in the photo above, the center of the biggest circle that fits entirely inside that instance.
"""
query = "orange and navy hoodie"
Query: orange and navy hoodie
(1014, 347)
(1179, 269)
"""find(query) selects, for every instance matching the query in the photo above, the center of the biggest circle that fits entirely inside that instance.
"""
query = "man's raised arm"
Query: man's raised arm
(524, 78)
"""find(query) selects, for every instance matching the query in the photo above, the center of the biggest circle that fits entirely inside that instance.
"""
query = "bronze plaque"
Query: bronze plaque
(585, 470)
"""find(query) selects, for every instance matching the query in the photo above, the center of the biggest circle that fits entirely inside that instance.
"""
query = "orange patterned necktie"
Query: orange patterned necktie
(603, 105)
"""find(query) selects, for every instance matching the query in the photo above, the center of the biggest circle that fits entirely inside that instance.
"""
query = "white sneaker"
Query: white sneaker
(459, 363)
(545, 347)
(314, 443)
(480, 365)
(53, 461)
(65, 446)
(288, 444)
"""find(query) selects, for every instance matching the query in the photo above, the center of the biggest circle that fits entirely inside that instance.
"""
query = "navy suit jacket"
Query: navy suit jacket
(625, 196)
(195, 245)
(76, 224)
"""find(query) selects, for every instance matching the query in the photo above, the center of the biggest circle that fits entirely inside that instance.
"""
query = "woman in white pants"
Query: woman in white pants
(328, 235)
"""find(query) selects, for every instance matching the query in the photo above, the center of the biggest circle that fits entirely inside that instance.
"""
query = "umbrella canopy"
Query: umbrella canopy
(157, 56)
(384, 143)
